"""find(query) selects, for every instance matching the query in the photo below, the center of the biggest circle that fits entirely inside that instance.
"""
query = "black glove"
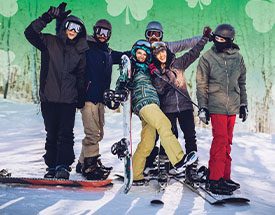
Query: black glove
(81, 99)
(62, 13)
(207, 32)
(51, 14)
(204, 115)
(243, 112)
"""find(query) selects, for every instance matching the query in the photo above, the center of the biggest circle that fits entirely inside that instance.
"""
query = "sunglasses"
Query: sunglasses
(73, 26)
(102, 31)
(157, 34)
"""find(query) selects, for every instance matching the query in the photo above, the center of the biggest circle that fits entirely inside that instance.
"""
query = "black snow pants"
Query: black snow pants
(59, 121)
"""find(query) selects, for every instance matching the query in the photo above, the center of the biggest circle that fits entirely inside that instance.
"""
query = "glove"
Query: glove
(62, 13)
(204, 115)
(207, 32)
(243, 112)
(81, 99)
(152, 68)
(51, 14)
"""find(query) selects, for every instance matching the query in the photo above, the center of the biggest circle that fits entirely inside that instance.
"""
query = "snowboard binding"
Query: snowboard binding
(120, 148)
(5, 173)
(113, 98)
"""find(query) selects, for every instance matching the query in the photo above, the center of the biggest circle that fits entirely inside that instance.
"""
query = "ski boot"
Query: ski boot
(231, 182)
(50, 173)
(191, 175)
(187, 160)
(92, 169)
(62, 172)
(221, 187)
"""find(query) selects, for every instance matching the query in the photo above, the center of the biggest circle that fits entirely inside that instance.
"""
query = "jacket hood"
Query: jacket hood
(81, 43)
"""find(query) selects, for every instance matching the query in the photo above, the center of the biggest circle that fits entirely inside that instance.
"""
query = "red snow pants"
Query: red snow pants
(220, 160)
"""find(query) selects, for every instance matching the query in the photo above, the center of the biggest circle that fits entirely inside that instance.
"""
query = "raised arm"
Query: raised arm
(181, 45)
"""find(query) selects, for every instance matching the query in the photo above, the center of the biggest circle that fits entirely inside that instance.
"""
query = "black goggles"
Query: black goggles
(143, 43)
(73, 26)
(157, 34)
(102, 31)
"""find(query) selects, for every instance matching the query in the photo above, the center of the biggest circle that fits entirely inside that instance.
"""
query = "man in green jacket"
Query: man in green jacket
(221, 94)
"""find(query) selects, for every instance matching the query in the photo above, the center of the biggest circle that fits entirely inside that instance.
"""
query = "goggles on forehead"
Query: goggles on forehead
(157, 34)
(157, 45)
(73, 26)
(102, 31)
(143, 43)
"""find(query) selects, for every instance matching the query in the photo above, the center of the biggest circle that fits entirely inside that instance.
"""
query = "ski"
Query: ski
(208, 198)
(227, 199)
(213, 199)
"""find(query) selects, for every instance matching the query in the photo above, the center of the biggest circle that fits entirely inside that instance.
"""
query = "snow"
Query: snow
(22, 140)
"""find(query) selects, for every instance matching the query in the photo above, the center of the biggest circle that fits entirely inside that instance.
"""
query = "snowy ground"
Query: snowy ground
(22, 146)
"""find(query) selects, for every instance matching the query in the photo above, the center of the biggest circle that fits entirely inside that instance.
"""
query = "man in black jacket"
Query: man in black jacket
(62, 86)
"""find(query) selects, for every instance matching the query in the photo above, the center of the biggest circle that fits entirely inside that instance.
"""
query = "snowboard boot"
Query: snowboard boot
(50, 173)
(62, 172)
(140, 182)
(187, 160)
(94, 170)
(99, 163)
(231, 182)
(79, 167)
(221, 187)
(191, 174)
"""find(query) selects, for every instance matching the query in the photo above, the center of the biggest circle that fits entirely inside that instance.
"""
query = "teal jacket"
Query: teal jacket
(143, 91)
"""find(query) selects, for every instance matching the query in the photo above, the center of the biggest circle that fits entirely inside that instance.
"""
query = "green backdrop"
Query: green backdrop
(252, 19)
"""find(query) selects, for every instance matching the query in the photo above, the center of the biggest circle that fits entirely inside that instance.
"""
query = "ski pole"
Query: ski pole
(180, 92)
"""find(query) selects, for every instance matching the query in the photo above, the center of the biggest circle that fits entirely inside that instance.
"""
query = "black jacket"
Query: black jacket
(98, 75)
(63, 62)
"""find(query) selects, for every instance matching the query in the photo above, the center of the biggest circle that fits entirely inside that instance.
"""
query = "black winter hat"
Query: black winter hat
(104, 24)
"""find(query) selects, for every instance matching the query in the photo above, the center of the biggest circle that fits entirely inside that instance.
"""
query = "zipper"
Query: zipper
(88, 86)
(227, 80)
(177, 101)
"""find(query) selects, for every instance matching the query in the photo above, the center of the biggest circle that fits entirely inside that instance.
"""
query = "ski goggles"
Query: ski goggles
(143, 43)
(157, 34)
(157, 47)
(73, 26)
(102, 31)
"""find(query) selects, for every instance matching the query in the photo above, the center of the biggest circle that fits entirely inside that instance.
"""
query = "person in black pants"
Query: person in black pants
(62, 87)
(175, 106)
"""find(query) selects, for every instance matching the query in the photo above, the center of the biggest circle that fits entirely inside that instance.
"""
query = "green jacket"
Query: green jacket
(221, 81)
(143, 91)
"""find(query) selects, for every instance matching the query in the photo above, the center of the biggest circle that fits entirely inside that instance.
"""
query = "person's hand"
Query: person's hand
(243, 112)
(81, 99)
(62, 13)
(51, 14)
(204, 115)
(207, 32)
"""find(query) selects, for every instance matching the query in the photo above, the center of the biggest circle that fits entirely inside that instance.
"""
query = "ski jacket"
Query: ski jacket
(98, 74)
(181, 45)
(63, 61)
(171, 101)
(143, 92)
(221, 81)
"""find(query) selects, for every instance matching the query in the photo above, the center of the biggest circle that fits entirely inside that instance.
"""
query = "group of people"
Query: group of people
(76, 69)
